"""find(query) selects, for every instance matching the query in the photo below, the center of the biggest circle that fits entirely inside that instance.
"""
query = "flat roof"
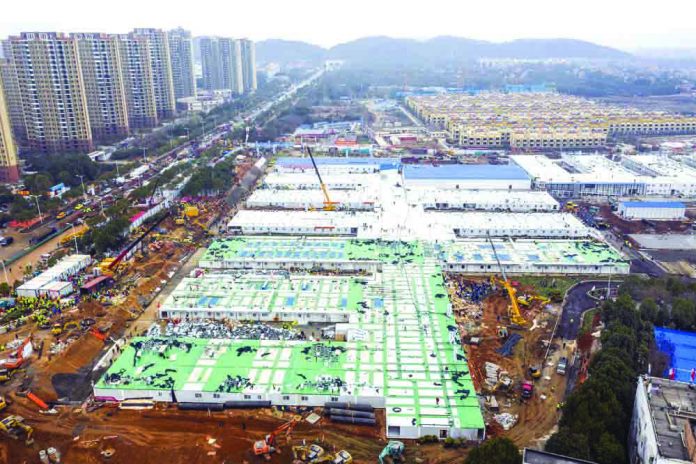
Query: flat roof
(653, 204)
(531, 456)
(292, 162)
(305, 219)
(409, 355)
(665, 241)
(309, 179)
(465, 172)
(533, 224)
(483, 197)
(313, 196)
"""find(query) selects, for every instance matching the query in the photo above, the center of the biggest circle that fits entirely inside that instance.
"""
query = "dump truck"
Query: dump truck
(527, 389)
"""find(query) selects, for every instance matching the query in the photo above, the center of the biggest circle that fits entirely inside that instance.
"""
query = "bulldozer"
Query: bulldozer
(392, 453)
(14, 427)
(307, 453)
(342, 457)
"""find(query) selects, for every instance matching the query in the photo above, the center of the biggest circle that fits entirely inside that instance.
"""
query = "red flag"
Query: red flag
(672, 373)
(693, 374)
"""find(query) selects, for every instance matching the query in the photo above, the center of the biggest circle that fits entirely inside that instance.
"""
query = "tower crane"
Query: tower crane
(328, 204)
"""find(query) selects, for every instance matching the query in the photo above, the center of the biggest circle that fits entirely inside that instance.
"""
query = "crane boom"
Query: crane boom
(515, 314)
(328, 204)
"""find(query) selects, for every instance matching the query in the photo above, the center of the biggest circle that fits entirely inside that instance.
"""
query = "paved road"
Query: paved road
(576, 303)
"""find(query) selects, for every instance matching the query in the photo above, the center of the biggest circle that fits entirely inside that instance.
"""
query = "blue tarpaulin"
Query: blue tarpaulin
(680, 346)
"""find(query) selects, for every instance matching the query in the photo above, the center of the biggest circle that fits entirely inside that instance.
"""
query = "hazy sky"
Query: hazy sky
(626, 24)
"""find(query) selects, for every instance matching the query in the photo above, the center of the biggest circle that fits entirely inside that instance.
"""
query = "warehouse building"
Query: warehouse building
(470, 176)
(336, 165)
(257, 222)
(353, 200)
(486, 224)
(308, 180)
(483, 200)
(654, 210)
(662, 426)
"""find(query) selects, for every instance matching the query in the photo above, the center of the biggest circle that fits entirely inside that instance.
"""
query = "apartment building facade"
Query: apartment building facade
(211, 63)
(161, 70)
(137, 80)
(13, 100)
(181, 54)
(49, 78)
(9, 169)
(248, 54)
(100, 60)
(231, 65)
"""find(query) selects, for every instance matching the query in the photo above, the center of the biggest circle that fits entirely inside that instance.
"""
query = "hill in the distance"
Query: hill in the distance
(439, 50)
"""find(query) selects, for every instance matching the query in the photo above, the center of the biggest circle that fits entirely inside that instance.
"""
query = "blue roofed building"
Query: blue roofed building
(468, 176)
(654, 210)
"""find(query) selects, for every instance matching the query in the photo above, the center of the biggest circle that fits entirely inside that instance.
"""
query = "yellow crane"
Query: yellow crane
(328, 204)
(515, 314)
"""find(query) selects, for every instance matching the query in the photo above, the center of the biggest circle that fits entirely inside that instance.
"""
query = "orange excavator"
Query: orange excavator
(268, 445)
(16, 360)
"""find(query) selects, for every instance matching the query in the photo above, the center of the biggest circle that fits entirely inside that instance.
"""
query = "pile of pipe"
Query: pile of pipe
(350, 413)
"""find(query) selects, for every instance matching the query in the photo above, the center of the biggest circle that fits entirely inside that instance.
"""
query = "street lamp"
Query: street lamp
(84, 192)
(74, 234)
(36, 197)
(5, 271)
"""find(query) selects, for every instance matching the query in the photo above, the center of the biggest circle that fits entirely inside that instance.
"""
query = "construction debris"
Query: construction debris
(506, 420)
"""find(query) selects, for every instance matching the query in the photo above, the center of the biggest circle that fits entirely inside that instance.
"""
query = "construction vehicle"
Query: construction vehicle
(328, 204)
(514, 309)
(527, 389)
(16, 359)
(571, 207)
(3, 403)
(393, 452)
(342, 457)
(308, 453)
(535, 372)
(14, 427)
(268, 445)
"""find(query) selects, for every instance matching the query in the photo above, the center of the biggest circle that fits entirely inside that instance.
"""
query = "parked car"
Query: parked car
(6, 241)
(562, 365)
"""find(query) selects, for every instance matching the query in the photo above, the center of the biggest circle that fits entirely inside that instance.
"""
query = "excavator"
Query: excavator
(515, 314)
(16, 360)
(268, 446)
(392, 453)
(315, 454)
(328, 204)
(14, 427)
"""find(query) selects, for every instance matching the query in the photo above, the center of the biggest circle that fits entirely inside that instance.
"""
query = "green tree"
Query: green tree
(609, 450)
(5, 289)
(568, 443)
(495, 451)
(649, 310)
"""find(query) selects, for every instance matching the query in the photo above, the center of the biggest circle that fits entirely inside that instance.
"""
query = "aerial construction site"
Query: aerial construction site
(342, 310)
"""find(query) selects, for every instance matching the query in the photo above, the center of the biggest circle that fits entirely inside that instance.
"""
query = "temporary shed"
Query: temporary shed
(656, 210)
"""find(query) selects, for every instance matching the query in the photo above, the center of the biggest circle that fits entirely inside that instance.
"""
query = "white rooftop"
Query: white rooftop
(304, 198)
(309, 179)
(515, 200)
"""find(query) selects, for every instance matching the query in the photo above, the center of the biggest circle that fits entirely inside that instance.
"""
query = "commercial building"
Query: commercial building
(248, 56)
(663, 422)
(576, 175)
(138, 80)
(468, 176)
(539, 120)
(55, 116)
(100, 62)
(181, 54)
(161, 69)
(9, 165)
(656, 210)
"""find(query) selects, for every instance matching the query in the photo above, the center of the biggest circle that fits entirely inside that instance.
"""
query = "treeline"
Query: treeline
(666, 302)
(596, 417)
(209, 180)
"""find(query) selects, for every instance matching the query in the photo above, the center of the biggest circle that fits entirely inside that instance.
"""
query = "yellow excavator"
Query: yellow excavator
(514, 308)
(14, 427)
(328, 204)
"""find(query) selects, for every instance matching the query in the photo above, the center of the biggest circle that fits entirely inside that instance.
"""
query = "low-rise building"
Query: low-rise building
(655, 210)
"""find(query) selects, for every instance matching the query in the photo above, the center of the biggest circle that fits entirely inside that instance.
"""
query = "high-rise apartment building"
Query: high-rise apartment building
(231, 64)
(100, 62)
(211, 63)
(181, 53)
(53, 98)
(225, 64)
(137, 80)
(13, 99)
(248, 57)
(161, 70)
(9, 170)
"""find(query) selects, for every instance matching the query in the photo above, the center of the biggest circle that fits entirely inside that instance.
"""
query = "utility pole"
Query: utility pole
(74, 234)
(84, 192)
(36, 197)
